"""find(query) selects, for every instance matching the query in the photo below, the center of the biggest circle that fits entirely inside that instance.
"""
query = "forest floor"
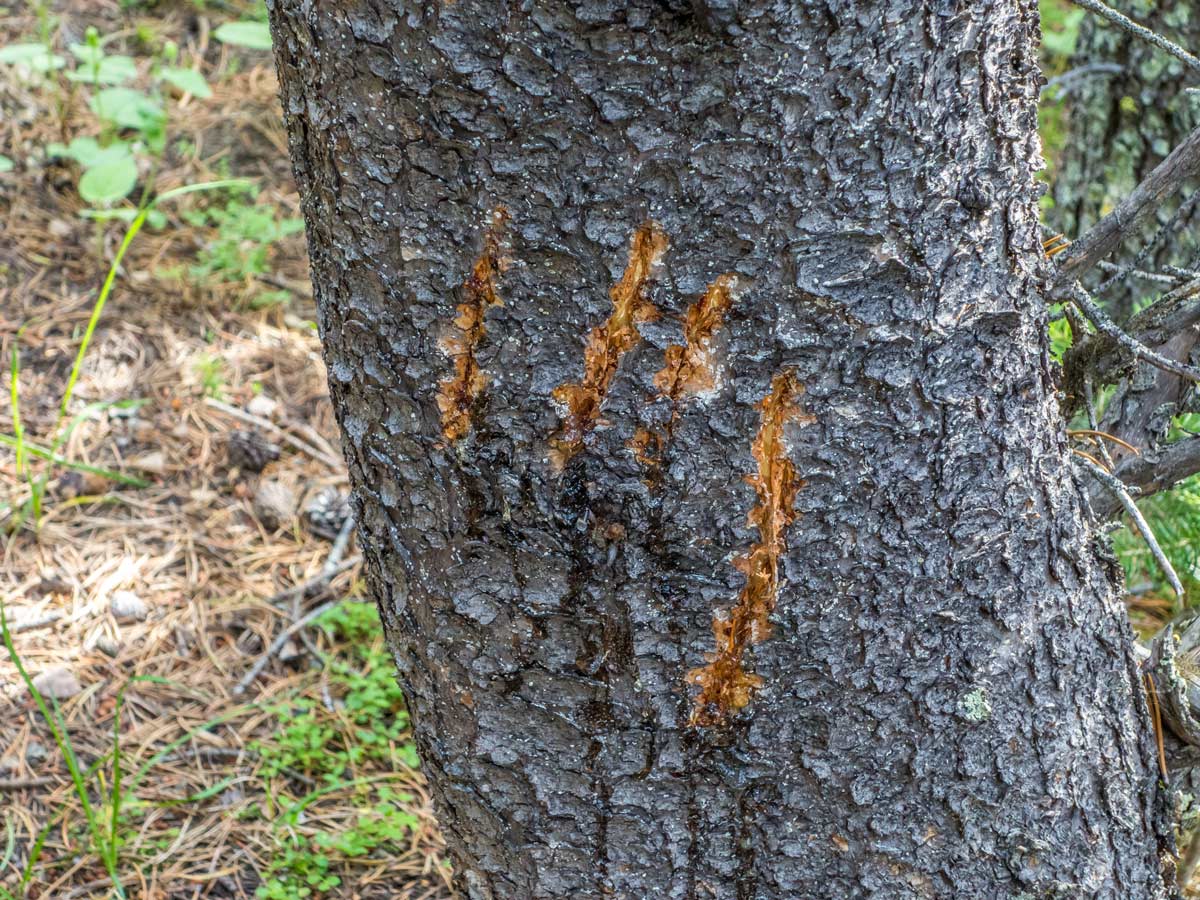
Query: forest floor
(228, 743)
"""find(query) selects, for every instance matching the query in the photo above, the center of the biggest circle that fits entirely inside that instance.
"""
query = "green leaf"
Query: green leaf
(110, 181)
(187, 80)
(36, 56)
(127, 108)
(252, 35)
(6, 164)
(86, 53)
(110, 70)
(88, 153)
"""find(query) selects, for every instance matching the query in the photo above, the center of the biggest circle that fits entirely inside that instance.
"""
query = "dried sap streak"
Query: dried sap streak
(580, 402)
(458, 394)
(725, 686)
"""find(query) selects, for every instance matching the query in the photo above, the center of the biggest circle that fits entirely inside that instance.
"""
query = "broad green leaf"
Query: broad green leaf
(109, 181)
(127, 108)
(86, 53)
(187, 80)
(110, 70)
(36, 56)
(87, 151)
(6, 164)
(253, 35)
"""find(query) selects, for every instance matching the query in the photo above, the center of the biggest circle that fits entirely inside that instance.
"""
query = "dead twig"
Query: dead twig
(340, 543)
(1115, 485)
(20, 784)
(1107, 326)
(326, 574)
(1090, 400)
(1140, 31)
(277, 644)
(1181, 165)
(39, 622)
(1158, 469)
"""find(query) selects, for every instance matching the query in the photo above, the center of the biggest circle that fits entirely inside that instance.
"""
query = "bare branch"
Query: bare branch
(1104, 359)
(1080, 73)
(1166, 277)
(1127, 342)
(1116, 487)
(1140, 31)
(1105, 236)
(1152, 472)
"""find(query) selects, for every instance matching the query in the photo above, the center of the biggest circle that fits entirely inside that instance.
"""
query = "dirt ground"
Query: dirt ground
(155, 603)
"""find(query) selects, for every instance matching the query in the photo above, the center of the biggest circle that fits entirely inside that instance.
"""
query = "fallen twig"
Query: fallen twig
(280, 640)
(250, 419)
(326, 574)
(39, 622)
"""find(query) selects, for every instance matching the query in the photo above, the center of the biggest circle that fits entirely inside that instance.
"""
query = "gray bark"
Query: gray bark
(947, 705)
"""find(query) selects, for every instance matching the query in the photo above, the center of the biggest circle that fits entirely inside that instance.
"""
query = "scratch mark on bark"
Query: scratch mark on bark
(458, 394)
(580, 402)
(725, 685)
(689, 370)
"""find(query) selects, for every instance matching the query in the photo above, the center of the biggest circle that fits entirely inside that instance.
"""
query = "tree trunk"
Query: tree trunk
(575, 264)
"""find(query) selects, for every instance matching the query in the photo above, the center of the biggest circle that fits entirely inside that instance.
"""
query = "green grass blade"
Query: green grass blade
(44, 453)
(230, 183)
(63, 741)
(35, 852)
(130, 233)
(15, 398)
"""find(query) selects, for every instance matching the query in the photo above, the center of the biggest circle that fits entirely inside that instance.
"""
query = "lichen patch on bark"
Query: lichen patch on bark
(580, 402)
(725, 685)
(458, 394)
(689, 370)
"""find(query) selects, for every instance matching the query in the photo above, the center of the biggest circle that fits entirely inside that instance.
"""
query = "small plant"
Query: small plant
(371, 725)
(317, 744)
(133, 121)
(211, 372)
(304, 869)
(246, 234)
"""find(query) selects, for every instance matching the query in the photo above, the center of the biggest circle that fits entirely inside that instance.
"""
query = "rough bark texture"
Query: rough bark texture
(948, 707)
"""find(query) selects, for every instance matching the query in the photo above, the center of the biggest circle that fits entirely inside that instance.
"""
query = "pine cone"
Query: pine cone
(327, 512)
(250, 450)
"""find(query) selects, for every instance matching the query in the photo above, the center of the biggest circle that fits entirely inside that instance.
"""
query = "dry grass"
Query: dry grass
(209, 819)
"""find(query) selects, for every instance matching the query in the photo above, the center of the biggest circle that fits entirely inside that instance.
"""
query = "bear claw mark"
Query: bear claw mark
(725, 685)
(458, 394)
(580, 402)
(689, 369)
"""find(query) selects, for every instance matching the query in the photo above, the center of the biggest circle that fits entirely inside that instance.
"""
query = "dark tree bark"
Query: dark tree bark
(575, 263)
